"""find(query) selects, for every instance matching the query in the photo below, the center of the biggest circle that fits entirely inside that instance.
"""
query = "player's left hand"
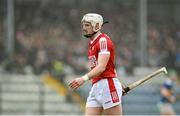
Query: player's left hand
(74, 84)
(123, 91)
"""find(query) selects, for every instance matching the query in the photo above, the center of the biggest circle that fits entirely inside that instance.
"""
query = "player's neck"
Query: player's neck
(95, 36)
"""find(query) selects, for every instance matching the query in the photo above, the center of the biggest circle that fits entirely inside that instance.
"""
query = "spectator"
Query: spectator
(167, 95)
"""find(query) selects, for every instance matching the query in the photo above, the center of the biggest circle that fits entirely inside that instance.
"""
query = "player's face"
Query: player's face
(87, 29)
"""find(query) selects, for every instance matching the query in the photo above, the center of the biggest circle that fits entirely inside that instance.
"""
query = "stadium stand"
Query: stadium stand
(29, 95)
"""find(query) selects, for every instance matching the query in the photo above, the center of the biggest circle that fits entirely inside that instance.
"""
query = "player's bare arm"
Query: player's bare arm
(101, 66)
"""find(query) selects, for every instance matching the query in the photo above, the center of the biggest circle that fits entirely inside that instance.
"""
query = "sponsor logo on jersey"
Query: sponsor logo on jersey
(92, 61)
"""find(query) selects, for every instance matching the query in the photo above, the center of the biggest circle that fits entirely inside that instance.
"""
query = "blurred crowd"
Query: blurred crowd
(48, 36)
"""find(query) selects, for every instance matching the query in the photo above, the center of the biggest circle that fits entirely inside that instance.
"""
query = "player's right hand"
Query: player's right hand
(76, 83)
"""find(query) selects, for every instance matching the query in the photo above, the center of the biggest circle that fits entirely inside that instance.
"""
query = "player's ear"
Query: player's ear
(97, 26)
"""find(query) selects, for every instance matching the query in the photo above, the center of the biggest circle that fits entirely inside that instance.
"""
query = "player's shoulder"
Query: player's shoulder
(104, 37)
(105, 41)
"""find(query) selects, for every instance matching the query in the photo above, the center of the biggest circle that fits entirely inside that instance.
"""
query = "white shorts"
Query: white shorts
(105, 93)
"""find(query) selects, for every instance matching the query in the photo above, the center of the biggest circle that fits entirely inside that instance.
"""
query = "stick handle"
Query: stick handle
(139, 82)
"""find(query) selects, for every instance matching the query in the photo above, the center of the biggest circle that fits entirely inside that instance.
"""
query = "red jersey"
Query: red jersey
(102, 44)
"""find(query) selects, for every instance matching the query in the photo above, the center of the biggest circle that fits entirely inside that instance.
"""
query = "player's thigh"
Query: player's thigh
(116, 110)
(93, 111)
